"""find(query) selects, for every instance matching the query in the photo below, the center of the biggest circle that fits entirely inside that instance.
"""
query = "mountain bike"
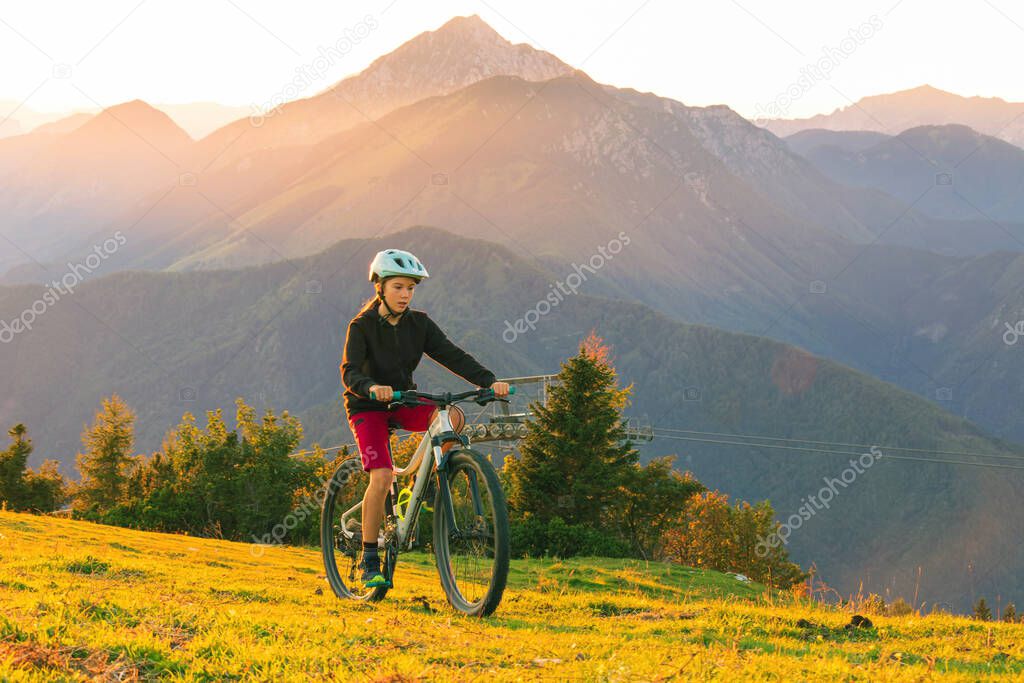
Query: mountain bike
(470, 527)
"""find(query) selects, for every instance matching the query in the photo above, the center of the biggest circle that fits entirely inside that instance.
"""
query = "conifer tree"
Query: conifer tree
(105, 463)
(12, 468)
(575, 454)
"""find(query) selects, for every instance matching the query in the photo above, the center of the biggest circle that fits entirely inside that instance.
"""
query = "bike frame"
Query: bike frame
(438, 433)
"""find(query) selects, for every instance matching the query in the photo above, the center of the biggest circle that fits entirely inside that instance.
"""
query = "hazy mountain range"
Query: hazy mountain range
(732, 225)
(923, 106)
(10, 126)
(198, 119)
(975, 176)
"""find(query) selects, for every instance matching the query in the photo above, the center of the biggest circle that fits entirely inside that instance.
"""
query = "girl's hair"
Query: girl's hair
(369, 303)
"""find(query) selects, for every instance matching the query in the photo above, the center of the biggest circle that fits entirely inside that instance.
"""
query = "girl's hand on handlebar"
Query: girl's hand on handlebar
(500, 389)
(379, 392)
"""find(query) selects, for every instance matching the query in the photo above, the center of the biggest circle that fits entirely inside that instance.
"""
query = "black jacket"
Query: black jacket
(377, 352)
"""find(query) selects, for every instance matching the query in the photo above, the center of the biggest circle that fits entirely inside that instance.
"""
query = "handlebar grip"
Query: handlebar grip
(397, 395)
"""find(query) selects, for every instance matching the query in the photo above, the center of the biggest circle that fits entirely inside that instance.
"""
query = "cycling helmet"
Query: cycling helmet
(392, 262)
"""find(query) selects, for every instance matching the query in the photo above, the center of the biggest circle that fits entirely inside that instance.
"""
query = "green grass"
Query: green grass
(83, 601)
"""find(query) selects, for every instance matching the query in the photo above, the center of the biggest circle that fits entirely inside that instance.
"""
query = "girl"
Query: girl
(383, 346)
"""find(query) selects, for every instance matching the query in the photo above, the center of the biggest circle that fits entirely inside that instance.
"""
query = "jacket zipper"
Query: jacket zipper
(398, 353)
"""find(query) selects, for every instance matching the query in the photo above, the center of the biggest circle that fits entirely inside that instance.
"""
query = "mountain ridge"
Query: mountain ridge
(895, 112)
(435, 62)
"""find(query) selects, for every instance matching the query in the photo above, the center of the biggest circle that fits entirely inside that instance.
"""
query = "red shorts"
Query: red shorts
(371, 431)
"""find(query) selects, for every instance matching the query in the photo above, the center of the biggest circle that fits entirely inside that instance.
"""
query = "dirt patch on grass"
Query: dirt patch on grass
(611, 609)
(32, 656)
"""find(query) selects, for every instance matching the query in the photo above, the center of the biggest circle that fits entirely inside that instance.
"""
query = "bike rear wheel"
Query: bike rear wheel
(341, 544)
(473, 556)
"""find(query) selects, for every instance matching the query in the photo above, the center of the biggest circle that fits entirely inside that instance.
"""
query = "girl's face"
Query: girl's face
(398, 292)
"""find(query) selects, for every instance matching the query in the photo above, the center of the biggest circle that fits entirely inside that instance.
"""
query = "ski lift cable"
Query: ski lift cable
(822, 450)
(838, 443)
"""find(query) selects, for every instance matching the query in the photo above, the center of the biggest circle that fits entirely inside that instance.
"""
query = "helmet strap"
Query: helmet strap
(380, 297)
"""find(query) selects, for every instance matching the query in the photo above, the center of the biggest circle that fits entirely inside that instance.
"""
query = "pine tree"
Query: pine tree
(575, 454)
(12, 468)
(21, 488)
(1010, 613)
(982, 611)
(107, 458)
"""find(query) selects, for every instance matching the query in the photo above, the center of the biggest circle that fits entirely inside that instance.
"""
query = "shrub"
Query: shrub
(538, 538)
(899, 608)
(715, 535)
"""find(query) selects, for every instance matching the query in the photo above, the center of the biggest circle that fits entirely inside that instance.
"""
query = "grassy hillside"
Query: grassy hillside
(81, 600)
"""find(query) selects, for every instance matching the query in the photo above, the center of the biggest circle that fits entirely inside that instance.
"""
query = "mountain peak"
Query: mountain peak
(464, 50)
(132, 108)
(471, 22)
(926, 88)
(925, 91)
(140, 119)
(466, 35)
(470, 44)
(472, 31)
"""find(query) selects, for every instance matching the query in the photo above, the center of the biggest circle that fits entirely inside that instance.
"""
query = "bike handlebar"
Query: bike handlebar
(481, 396)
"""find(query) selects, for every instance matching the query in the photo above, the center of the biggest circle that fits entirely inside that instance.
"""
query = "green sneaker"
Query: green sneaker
(372, 577)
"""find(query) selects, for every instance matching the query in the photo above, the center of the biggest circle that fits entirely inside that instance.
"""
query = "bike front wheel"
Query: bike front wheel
(473, 554)
(341, 540)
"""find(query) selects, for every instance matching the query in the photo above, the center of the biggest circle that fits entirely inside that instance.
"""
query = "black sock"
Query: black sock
(370, 552)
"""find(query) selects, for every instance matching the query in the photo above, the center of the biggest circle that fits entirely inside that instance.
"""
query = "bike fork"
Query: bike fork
(446, 501)
(449, 505)
(474, 489)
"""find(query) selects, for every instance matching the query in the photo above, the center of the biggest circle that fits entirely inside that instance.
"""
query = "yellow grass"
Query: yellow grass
(80, 601)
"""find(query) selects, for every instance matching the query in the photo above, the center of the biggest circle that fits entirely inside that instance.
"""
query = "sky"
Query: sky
(58, 56)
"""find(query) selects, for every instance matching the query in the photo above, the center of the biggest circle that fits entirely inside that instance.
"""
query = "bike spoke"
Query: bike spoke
(471, 544)
(341, 533)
